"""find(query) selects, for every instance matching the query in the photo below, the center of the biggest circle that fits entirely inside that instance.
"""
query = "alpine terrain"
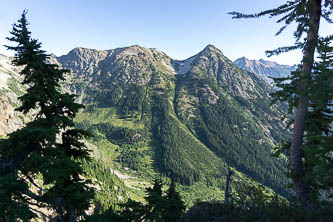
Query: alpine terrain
(153, 116)
(266, 69)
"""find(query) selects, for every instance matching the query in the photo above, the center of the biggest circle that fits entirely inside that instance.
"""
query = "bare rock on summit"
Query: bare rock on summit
(265, 69)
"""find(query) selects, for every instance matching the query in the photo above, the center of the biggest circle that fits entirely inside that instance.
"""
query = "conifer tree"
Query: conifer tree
(50, 146)
(318, 143)
(307, 15)
(156, 202)
(175, 207)
(161, 207)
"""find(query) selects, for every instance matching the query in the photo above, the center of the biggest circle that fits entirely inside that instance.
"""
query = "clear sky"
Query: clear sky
(180, 28)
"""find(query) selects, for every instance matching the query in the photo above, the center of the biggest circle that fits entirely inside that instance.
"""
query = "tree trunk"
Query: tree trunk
(302, 188)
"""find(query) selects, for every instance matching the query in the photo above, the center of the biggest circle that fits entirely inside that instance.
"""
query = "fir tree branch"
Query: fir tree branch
(284, 49)
(36, 185)
(40, 212)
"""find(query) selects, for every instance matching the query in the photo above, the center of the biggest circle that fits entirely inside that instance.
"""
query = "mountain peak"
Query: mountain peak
(136, 46)
(133, 50)
(211, 48)
(84, 52)
(264, 68)
(79, 49)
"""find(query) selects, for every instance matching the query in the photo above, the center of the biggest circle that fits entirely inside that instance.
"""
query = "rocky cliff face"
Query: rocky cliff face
(265, 69)
(10, 89)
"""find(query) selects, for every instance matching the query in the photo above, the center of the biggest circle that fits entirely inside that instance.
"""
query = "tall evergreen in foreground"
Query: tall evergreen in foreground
(307, 15)
(318, 139)
(49, 147)
(318, 146)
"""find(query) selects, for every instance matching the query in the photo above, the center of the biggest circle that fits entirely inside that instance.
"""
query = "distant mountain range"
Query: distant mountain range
(152, 116)
(264, 68)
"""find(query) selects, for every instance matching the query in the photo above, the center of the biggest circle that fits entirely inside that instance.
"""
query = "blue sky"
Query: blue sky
(180, 28)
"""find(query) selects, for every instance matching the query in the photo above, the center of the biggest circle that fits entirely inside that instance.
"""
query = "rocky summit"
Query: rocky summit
(153, 116)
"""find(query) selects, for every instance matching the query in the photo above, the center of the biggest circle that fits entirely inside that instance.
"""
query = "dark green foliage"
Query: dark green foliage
(225, 129)
(134, 211)
(245, 155)
(156, 202)
(175, 207)
(133, 100)
(253, 203)
(184, 159)
(10, 210)
(114, 97)
(299, 94)
(111, 190)
(35, 149)
(131, 159)
(317, 146)
(174, 139)
(130, 98)
(119, 135)
(159, 207)
(263, 212)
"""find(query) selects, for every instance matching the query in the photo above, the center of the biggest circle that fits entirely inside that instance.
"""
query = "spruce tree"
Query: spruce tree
(156, 202)
(318, 143)
(175, 206)
(307, 15)
(50, 146)
(161, 207)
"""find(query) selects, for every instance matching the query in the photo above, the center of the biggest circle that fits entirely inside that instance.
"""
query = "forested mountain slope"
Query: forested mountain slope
(152, 115)
(178, 118)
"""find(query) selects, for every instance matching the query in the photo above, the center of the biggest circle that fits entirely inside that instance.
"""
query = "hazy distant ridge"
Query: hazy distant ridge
(264, 68)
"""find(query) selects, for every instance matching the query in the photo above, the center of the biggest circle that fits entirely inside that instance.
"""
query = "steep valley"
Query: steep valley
(153, 116)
